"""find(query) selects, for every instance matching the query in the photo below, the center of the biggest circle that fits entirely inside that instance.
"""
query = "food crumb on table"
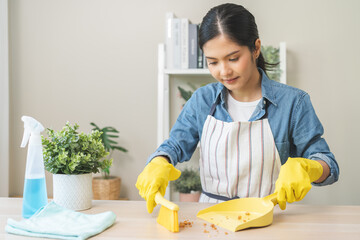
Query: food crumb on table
(213, 226)
(185, 223)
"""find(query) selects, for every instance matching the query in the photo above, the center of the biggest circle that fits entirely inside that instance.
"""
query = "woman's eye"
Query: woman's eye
(234, 59)
(212, 63)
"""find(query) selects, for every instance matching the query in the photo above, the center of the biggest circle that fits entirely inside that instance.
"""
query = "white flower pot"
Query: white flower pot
(73, 191)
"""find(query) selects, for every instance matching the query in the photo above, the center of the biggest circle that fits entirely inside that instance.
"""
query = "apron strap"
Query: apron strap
(218, 197)
(213, 107)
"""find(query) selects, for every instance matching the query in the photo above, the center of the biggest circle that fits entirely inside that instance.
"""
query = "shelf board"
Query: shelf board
(194, 71)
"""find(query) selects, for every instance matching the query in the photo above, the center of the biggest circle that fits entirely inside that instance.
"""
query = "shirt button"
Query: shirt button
(264, 101)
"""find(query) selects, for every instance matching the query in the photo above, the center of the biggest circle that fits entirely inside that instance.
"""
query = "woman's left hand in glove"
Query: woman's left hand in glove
(295, 179)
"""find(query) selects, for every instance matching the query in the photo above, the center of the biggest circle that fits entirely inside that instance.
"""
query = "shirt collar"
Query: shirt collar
(266, 90)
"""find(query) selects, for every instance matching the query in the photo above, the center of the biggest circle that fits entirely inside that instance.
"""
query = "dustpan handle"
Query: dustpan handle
(272, 197)
(159, 199)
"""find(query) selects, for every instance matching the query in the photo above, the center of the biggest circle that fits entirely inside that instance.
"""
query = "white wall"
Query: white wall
(4, 99)
(89, 60)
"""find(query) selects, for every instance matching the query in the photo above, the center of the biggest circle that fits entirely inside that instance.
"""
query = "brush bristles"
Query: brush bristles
(169, 219)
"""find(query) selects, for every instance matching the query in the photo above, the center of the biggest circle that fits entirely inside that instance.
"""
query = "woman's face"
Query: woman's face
(231, 64)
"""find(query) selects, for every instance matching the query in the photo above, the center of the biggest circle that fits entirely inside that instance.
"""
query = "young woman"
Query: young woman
(257, 136)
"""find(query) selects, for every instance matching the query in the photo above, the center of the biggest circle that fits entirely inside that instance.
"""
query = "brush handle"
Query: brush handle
(159, 199)
(272, 197)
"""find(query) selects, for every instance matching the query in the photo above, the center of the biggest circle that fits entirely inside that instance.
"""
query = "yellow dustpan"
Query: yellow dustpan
(239, 214)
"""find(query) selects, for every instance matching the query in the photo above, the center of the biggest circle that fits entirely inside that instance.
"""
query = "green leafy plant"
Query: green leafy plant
(271, 56)
(186, 94)
(70, 152)
(188, 181)
(107, 136)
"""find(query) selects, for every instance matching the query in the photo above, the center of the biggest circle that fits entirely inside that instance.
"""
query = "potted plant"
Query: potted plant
(188, 185)
(72, 157)
(107, 187)
(272, 57)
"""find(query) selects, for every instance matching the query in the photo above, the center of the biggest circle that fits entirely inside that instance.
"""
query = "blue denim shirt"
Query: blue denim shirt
(296, 129)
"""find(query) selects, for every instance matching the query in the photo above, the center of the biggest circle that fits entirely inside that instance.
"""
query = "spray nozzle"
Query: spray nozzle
(31, 126)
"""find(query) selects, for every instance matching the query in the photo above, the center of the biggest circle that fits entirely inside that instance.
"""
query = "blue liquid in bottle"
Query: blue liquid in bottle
(35, 196)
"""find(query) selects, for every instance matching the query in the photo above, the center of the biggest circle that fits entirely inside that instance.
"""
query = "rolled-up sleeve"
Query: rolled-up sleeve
(184, 135)
(308, 142)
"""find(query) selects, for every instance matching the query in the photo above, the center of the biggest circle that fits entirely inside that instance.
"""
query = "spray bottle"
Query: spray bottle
(35, 195)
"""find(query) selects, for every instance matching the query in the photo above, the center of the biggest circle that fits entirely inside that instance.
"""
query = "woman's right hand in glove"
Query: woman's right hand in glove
(154, 178)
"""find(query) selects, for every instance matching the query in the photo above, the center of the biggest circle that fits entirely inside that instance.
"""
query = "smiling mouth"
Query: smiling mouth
(230, 80)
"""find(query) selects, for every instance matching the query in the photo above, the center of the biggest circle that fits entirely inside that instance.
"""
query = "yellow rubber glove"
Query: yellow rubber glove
(154, 178)
(295, 179)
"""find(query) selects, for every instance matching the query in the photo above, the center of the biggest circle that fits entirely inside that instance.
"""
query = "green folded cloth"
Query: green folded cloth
(54, 221)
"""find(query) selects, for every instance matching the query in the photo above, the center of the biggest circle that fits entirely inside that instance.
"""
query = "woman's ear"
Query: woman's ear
(257, 48)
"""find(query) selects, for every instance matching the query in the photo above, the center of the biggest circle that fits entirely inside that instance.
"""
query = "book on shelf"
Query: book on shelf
(181, 44)
(176, 43)
(184, 35)
(168, 40)
(200, 54)
(200, 58)
(193, 45)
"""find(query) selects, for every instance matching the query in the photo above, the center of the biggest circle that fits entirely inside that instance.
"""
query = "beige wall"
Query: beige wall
(88, 60)
(4, 99)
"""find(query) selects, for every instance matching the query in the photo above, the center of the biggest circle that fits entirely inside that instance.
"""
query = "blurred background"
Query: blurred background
(88, 61)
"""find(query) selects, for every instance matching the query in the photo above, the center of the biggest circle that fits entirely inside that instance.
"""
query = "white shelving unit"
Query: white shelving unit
(163, 92)
(187, 71)
(163, 122)
(163, 106)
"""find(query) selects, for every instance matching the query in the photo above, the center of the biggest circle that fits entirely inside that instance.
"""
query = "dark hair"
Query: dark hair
(234, 21)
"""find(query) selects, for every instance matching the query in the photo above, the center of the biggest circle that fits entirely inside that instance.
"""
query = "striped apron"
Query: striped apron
(237, 160)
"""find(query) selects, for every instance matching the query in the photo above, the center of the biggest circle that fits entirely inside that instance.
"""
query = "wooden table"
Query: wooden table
(133, 222)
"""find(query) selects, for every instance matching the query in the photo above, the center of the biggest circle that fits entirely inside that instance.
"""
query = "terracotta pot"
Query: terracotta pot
(190, 197)
(73, 191)
(106, 189)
